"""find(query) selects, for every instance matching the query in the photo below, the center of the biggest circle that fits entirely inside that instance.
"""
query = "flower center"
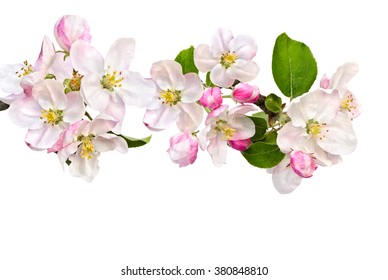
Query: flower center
(87, 148)
(227, 59)
(170, 97)
(25, 70)
(227, 131)
(111, 80)
(348, 104)
(316, 130)
(52, 117)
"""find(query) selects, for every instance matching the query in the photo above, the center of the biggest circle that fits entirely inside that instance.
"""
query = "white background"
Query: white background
(142, 210)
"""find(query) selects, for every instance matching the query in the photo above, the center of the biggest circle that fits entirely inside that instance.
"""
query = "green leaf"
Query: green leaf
(273, 103)
(263, 155)
(134, 142)
(271, 137)
(209, 82)
(3, 106)
(261, 115)
(293, 66)
(50, 77)
(260, 126)
(186, 59)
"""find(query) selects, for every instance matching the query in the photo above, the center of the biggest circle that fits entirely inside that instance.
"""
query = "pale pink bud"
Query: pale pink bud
(183, 149)
(325, 81)
(69, 29)
(245, 93)
(240, 145)
(211, 98)
(302, 163)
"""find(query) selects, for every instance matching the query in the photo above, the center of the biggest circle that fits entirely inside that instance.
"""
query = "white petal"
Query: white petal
(120, 54)
(136, 90)
(244, 46)
(193, 88)
(244, 126)
(109, 142)
(284, 178)
(242, 110)
(168, 75)
(340, 138)
(26, 112)
(44, 137)
(85, 168)
(190, 117)
(343, 75)
(243, 70)
(50, 94)
(291, 137)
(75, 108)
(203, 137)
(116, 109)
(46, 56)
(204, 59)
(61, 68)
(220, 41)
(100, 125)
(219, 77)
(9, 80)
(161, 118)
(92, 92)
(217, 149)
(86, 59)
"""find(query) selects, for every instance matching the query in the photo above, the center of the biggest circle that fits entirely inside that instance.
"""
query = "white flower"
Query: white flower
(227, 58)
(176, 98)
(318, 127)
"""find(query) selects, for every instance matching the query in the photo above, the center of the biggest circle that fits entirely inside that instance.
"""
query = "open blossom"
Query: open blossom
(211, 98)
(70, 28)
(107, 84)
(46, 113)
(183, 149)
(17, 80)
(318, 127)
(339, 81)
(83, 142)
(245, 93)
(227, 58)
(176, 98)
(223, 126)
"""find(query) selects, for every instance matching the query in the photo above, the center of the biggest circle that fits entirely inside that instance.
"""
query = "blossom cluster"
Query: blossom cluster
(73, 101)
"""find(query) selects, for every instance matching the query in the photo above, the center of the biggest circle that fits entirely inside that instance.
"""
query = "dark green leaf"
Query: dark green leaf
(209, 82)
(263, 155)
(273, 103)
(261, 115)
(3, 106)
(186, 59)
(134, 142)
(293, 66)
(260, 126)
(271, 137)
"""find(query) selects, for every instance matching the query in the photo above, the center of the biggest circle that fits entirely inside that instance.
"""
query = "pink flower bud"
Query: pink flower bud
(245, 93)
(211, 98)
(240, 145)
(183, 149)
(69, 29)
(325, 81)
(302, 163)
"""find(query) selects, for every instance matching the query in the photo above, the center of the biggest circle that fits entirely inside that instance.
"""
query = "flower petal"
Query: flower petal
(219, 76)
(193, 88)
(50, 94)
(161, 118)
(46, 56)
(242, 109)
(204, 59)
(100, 125)
(93, 94)
(293, 138)
(190, 117)
(343, 75)
(244, 126)
(86, 59)
(284, 178)
(109, 142)
(26, 112)
(116, 109)
(136, 90)
(9, 80)
(218, 113)
(85, 168)
(219, 42)
(244, 46)
(120, 54)
(217, 149)
(168, 75)
(44, 137)
(243, 70)
(75, 108)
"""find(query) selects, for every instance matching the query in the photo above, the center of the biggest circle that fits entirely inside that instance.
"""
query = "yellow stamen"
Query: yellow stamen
(87, 149)
(111, 80)
(170, 97)
(227, 59)
(316, 130)
(348, 103)
(25, 70)
(52, 117)
(227, 131)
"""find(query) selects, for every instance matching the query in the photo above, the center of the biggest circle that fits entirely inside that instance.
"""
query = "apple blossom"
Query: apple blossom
(245, 93)
(183, 149)
(227, 58)
(175, 99)
(223, 126)
(211, 98)
(46, 113)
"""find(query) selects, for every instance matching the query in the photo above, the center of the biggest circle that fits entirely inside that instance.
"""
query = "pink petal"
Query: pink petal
(193, 88)
(219, 76)
(244, 126)
(244, 46)
(26, 112)
(204, 59)
(190, 117)
(50, 94)
(86, 59)
(46, 56)
(217, 149)
(44, 137)
(75, 108)
(110, 142)
(220, 41)
(120, 54)
(93, 94)
(243, 70)
(136, 90)
(284, 178)
(168, 75)
(161, 118)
